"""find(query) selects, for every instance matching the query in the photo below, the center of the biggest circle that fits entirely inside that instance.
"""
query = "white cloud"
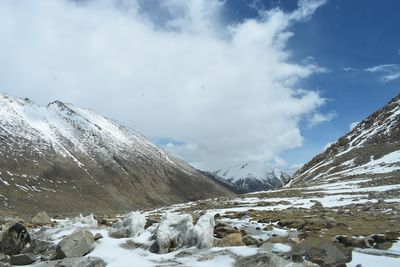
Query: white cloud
(389, 72)
(318, 118)
(170, 69)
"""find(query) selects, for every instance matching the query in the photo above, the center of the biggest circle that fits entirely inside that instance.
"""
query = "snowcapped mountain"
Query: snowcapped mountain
(369, 152)
(253, 176)
(64, 158)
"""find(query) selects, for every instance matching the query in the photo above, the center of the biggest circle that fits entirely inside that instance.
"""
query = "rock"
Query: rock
(133, 245)
(41, 219)
(98, 236)
(154, 248)
(23, 259)
(74, 262)
(326, 254)
(132, 225)
(220, 232)
(77, 244)
(379, 238)
(292, 223)
(266, 259)
(317, 205)
(14, 239)
(4, 258)
(269, 228)
(40, 247)
(230, 240)
(384, 245)
(330, 222)
(249, 240)
(150, 221)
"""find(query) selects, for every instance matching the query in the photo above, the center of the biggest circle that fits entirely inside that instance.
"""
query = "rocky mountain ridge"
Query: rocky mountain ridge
(253, 176)
(61, 157)
(370, 150)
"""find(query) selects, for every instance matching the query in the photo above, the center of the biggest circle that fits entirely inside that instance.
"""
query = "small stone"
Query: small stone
(384, 245)
(98, 236)
(330, 222)
(23, 259)
(269, 228)
(249, 240)
(4, 258)
(229, 240)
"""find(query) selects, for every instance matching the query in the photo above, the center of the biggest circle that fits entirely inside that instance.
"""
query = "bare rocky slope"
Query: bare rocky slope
(369, 153)
(61, 158)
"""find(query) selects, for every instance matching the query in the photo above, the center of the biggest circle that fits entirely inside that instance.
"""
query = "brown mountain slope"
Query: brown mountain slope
(62, 159)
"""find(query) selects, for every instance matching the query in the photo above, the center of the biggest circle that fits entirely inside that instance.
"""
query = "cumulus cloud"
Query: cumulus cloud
(173, 69)
(318, 118)
(388, 72)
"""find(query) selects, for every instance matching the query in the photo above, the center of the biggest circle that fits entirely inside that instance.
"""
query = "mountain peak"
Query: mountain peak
(254, 176)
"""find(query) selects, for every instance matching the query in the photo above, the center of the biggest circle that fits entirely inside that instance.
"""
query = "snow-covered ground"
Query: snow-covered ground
(198, 248)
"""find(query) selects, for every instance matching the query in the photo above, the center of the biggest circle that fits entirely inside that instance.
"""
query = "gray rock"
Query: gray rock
(77, 244)
(154, 248)
(266, 259)
(14, 239)
(41, 219)
(98, 236)
(329, 255)
(23, 259)
(41, 247)
(74, 262)
(251, 241)
(118, 233)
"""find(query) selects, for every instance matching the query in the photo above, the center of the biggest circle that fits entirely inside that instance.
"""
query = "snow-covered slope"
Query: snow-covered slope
(254, 176)
(71, 153)
(370, 150)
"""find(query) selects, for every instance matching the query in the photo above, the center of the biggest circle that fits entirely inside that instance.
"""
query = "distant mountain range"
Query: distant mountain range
(61, 158)
(370, 152)
(252, 176)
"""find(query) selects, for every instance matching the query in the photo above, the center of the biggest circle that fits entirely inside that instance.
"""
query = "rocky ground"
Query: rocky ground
(341, 224)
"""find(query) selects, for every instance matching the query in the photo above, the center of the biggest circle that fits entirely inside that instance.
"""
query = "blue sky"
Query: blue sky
(216, 82)
(345, 37)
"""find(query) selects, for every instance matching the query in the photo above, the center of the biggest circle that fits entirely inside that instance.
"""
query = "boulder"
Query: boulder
(14, 239)
(77, 244)
(41, 219)
(74, 262)
(23, 259)
(326, 254)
